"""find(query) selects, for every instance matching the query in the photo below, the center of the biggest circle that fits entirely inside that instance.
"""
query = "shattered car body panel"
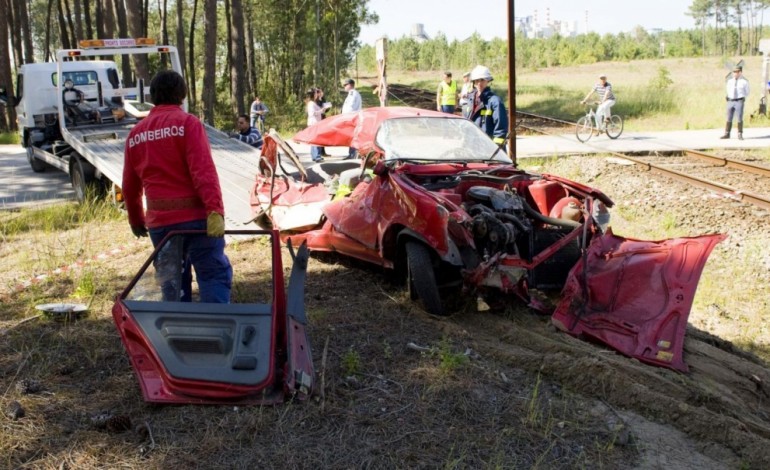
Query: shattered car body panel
(445, 208)
(635, 296)
(204, 353)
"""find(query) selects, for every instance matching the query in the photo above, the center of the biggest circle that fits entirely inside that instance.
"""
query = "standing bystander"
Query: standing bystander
(446, 94)
(314, 114)
(258, 111)
(168, 160)
(352, 104)
(488, 109)
(736, 91)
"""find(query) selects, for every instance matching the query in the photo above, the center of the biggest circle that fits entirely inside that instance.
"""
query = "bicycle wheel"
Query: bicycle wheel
(584, 129)
(615, 127)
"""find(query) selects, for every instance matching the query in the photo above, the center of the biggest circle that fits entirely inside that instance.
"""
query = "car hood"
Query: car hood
(358, 129)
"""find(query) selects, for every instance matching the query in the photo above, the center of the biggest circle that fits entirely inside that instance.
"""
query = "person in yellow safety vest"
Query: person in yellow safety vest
(446, 95)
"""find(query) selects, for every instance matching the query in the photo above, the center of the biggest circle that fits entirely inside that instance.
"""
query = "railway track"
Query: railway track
(740, 180)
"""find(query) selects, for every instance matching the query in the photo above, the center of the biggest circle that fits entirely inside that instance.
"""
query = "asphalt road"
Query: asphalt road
(21, 187)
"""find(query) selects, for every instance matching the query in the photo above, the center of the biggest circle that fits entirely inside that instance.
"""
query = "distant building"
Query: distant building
(534, 27)
(418, 33)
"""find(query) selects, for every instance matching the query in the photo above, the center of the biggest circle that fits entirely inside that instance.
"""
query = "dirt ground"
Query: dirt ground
(398, 388)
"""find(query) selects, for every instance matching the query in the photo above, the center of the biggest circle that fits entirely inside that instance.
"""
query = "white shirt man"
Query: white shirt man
(353, 100)
(736, 91)
(352, 104)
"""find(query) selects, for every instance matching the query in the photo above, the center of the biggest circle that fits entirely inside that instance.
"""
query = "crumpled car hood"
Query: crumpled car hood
(635, 296)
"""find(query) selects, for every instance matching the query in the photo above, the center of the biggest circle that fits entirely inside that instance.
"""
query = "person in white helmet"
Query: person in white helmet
(488, 110)
(603, 89)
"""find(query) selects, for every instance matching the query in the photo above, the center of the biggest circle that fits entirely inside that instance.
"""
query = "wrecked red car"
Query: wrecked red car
(434, 199)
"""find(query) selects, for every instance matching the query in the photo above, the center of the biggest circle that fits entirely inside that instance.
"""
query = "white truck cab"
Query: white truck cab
(37, 88)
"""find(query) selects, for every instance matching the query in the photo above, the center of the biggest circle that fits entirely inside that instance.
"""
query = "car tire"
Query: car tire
(421, 278)
(37, 165)
(84, 182)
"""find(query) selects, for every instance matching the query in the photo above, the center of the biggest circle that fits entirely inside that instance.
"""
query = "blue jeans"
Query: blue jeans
(206, 254)
(448, 108)
(315, 152)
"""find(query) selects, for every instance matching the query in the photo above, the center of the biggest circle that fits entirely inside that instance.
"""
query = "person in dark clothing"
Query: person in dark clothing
(488, 110)
(247, 133)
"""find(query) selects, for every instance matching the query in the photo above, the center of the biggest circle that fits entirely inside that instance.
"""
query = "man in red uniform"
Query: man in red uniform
(168, 159)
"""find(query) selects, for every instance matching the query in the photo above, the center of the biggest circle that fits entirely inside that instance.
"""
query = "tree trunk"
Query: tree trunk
(180, 33)
(48, 54)
(7, 113)
(209, 63)
(63, 34)
(239, 56)
(26, 32)
(191, 63)
(251, 68)
(70, 24)
(78, 20)
(163, 11)
(87, 18)
(11, 8)
(125, 60)
(229, 55)
(134, 16)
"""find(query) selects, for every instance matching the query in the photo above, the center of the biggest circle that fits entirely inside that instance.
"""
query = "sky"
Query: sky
(458, 19)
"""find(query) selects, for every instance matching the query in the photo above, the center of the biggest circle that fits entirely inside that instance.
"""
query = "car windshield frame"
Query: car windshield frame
(436, 139)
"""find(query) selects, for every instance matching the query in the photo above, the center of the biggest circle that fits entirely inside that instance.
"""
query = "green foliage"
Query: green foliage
(351, 362)
(450, 361)
(662, 80)
(8, 138)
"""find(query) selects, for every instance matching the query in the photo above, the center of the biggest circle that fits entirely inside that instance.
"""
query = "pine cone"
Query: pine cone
(100, 421)
(118, 423)
(27, 386)
(14, 410)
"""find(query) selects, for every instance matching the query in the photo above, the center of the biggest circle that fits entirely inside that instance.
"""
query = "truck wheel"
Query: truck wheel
(421, 278)
(84, 182)
(37, 165)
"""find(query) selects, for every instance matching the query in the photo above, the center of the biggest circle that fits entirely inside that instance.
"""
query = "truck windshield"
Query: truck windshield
(78, 78)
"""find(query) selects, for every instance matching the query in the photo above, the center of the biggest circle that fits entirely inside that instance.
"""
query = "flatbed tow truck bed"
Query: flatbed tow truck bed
(237, 163)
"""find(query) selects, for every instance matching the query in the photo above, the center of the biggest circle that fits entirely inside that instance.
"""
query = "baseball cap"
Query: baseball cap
(349, 81)
(602, 75)
(737, 68)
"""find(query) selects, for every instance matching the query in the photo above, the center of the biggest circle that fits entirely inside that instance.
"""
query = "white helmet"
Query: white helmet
(480, 72)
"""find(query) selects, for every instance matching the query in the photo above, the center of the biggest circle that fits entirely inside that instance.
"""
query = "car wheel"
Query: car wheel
(421, 278)
(37, 165)
(84, 182)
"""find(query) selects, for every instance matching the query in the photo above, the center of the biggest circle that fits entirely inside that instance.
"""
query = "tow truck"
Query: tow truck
(86, 140)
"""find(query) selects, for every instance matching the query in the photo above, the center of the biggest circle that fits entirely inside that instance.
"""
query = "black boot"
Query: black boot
(728, 126)
(740, 130)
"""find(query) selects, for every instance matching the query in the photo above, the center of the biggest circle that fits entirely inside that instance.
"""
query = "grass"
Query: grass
(9, 138)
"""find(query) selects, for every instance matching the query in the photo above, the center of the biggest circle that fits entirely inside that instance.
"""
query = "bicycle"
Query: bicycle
(586, 126)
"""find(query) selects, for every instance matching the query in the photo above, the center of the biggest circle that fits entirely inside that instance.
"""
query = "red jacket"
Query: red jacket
(168, 159)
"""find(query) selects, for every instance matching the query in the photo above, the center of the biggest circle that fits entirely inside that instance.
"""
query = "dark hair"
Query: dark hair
(244, 116)
(168, 87)
(448, 74)
(350, 82)
(310, 94)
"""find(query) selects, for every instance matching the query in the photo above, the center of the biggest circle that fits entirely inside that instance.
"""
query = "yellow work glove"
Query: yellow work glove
(215, 225)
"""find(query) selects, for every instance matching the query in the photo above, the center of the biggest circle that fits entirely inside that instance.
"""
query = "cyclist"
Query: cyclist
(603, 88)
